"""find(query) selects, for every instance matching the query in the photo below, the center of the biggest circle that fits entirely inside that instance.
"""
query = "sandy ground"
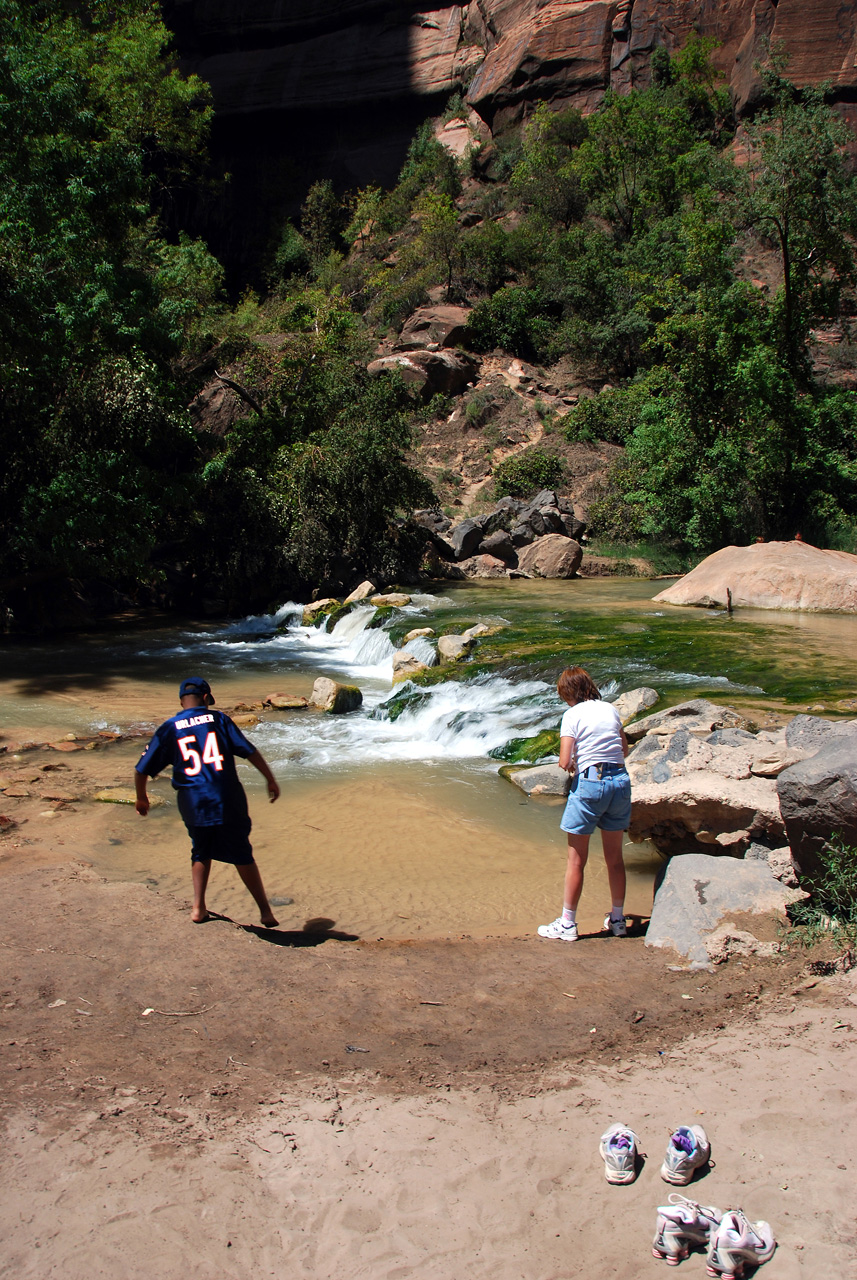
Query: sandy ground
(224, 1101)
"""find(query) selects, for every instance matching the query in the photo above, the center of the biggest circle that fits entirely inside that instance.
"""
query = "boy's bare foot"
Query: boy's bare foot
(199, 917)
(269, 921)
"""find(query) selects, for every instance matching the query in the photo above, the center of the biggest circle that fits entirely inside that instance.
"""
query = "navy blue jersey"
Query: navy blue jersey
(201, 745)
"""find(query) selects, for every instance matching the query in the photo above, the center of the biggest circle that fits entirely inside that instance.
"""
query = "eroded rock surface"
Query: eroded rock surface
(818, 799)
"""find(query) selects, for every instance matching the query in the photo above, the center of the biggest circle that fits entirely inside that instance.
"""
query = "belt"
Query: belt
(599, 771)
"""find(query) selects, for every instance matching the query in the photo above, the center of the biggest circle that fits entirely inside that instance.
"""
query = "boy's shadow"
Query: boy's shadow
(314, 932)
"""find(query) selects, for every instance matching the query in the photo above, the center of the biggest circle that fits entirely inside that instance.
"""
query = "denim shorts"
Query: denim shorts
(592, 803)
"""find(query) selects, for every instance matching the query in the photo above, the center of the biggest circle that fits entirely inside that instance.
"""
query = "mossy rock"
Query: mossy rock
(529, 750)
(335, 613)
(408, 698)
(383, 614)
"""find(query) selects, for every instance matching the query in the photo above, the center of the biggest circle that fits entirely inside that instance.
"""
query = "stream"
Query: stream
(401, 827)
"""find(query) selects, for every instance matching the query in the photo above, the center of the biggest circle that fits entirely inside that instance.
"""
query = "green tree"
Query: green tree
(801, 193)
(546, 178)
(96, 125)
(321, 220)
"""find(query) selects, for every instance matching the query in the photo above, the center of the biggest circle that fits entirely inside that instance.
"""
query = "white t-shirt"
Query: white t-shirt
(597, 732)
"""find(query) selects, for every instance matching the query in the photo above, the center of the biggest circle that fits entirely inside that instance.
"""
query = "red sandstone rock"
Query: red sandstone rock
(770, 575)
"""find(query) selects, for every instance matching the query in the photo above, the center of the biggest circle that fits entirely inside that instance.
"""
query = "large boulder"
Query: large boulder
(500, 546)
(390, 600)
(431, 372)
(317, 609)
(338, 699)
(465, 538)
(818, 799)
(485, 567)
(436, 326)
(810, 733)
(365, 589)
(699, 892)
(770, 575)
(553, 556)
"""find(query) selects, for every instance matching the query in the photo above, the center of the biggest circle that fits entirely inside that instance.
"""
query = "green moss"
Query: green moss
(382, 614)
(335, 613)
(407, 698)
(529, 750)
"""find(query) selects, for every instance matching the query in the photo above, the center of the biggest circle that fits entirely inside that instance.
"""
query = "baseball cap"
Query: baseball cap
(195, 684)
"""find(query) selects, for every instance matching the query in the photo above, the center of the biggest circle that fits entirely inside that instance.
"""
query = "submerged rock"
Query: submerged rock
(286, 702)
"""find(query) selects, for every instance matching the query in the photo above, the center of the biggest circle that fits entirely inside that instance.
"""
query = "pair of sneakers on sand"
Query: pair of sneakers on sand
(731, 1241)
(559, 931)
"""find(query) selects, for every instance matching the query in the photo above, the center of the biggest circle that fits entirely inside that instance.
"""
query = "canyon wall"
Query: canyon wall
(305, 88)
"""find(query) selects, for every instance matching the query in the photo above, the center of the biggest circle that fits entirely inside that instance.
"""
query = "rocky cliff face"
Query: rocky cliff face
(276, 55)
(337, 87)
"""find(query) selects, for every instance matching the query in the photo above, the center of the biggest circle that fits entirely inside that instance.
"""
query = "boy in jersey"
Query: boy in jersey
(201, 745)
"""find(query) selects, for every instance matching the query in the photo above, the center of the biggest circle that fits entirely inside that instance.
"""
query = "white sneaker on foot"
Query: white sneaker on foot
(736, 1242)
(688, 1150)
(619, 928)
(619, 1153)
(682, 1224)
(556, 929)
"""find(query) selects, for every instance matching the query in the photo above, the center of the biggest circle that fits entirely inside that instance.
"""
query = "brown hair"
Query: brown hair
(576, 685)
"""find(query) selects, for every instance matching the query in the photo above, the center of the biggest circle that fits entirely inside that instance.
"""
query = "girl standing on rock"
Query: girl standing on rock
(592, 748)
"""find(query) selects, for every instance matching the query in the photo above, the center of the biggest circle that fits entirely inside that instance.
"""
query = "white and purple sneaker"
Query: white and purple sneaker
(688, 1150)
(619, 1153)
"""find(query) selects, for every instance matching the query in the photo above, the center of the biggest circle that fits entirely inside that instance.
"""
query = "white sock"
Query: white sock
(568, 915)
(617, 911)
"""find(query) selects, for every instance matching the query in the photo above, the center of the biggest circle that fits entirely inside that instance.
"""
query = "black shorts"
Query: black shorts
(227, 843)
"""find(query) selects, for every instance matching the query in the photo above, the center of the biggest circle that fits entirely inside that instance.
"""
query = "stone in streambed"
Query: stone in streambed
(539, 780)
(630, 704)
(417, 633)
(392, 600)
(365, 589)
(338, 699)
(698, 716)
(406, 666)
(124, 795)
(312, 612)
(285, 702)
(453, 648)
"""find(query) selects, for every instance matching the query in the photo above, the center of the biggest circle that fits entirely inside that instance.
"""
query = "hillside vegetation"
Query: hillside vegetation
(682, 268)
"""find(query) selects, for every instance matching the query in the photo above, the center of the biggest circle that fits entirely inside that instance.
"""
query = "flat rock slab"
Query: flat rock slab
(770, 575)
(124, 795)
(703, 808)
(698, 892)
(698, 716)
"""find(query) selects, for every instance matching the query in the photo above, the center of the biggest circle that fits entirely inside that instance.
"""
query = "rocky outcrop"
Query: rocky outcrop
(453, 648)
(430, 328)
(770, 575)
(818, 799)
(698, 892)
(431, 372)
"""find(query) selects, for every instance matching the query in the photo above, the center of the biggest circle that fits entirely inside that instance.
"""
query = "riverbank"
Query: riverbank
(231, 1101)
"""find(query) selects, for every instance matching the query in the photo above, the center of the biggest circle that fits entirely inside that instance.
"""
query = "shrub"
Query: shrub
(526, 473)
(832, 905)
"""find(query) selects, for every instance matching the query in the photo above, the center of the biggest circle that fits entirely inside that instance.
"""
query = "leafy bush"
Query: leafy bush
(526, 473)
(832, 905)
(515, 318)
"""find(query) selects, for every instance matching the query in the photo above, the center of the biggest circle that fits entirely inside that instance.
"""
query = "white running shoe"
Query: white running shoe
(556, 929)
(737, 1241)
(682, 1224)
(619, 1153)
(619, 928)
(688, 1150)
